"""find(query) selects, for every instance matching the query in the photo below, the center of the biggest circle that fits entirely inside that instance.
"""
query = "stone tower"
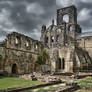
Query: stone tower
(68, 15)
(58, 39)
(56, 35)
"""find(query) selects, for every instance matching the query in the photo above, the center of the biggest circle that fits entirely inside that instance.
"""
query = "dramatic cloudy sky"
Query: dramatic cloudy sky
(27, 16)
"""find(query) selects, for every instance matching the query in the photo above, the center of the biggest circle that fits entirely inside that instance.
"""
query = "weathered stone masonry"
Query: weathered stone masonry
(62, 43)
(67, 49)
(19, 53)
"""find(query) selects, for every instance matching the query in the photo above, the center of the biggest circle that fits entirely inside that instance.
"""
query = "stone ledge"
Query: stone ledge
(30, 87)
(66, 89)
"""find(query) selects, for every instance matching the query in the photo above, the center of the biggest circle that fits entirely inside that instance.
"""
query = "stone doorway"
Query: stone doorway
(61, 64)
(36, 67)
(14, 69)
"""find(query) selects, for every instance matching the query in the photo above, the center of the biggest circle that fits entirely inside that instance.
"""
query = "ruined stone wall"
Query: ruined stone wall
(54, 36)
(61, 59)
(24, 60)
(22, 42)
(21, 51)
(2, 57)
(59, 39)
(86, 44)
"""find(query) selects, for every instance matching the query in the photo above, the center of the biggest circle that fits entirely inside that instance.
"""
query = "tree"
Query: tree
(43, 57)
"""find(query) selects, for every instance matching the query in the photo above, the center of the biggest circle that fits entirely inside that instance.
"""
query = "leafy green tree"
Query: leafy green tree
(43, 57)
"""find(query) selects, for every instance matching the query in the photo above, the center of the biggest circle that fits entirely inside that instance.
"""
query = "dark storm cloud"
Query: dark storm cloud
(2, 34)
(26, 16)
(86, 15)
(84, 8)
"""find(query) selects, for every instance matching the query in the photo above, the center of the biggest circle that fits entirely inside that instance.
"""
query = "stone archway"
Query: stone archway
(14, 69)
(36, 67)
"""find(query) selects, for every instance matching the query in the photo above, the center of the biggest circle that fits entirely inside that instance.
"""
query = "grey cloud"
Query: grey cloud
(2, 34)
(27, 21)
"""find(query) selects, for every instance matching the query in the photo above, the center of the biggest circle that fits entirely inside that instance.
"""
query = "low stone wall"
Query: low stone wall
(66, 89)
(30, 87)
(39, 77)
(63, 74)
(69, 89)
(82, 75)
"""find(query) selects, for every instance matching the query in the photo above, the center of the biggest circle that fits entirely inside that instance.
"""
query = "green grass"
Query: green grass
(12, 82)
(85, 82)
(84, 90)
(82, 82)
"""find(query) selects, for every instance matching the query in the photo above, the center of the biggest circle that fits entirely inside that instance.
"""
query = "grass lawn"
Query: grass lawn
(82, 82)
(12, 82)
(85, 82)
(81, 90)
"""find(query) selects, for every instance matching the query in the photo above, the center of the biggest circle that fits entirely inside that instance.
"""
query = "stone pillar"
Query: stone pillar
(53, 66)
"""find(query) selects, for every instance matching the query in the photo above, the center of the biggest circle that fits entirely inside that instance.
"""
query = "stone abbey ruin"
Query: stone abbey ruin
(68, 48)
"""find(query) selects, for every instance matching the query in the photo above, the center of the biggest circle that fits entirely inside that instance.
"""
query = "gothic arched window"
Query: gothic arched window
(46, 39)
(27, 43)
(59, 30)
(52, 38)
(17, 40)
(70, 28)
(59, 63)
(36, 46)
(57, 38)
(63, 63)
